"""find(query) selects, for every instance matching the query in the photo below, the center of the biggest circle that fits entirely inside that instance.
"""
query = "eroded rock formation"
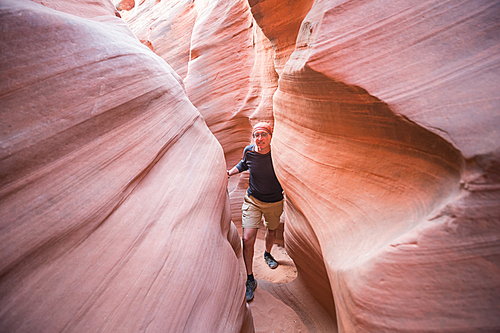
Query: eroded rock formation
(115, 214)
(386, 143)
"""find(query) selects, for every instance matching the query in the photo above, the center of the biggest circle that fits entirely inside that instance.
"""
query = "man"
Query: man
(263, 197)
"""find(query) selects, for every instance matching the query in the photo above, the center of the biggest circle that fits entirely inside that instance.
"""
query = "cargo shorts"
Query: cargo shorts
(253, 209)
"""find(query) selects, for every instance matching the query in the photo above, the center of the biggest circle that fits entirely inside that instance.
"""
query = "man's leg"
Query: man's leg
(272, 215)
(270, 237)
(249, 236)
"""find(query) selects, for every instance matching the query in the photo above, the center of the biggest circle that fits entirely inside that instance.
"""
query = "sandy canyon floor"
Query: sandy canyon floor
(270, 314)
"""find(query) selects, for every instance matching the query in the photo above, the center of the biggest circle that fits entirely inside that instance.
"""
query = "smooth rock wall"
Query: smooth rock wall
(115, 212)
(386, 143)
(387, 146)
(211, 45)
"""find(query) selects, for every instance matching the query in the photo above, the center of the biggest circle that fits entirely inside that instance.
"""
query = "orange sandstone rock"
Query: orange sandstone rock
(86, 9)
(280, 21)
(115, 213)
(386, 143)
(387, 146)
(167, 26)
(209, 44)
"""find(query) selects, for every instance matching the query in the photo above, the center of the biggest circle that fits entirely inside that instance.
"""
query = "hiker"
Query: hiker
(263, 197)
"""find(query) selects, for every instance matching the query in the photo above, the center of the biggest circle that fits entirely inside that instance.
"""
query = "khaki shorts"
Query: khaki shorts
(253, 210)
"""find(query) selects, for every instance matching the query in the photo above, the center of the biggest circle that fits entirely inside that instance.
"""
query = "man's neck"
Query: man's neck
(264, 151)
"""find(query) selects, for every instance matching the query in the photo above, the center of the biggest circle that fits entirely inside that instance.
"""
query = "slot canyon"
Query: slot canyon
(119, 119)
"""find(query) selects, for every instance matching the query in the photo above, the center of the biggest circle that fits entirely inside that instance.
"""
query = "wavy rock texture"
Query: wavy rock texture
(167, 26)
(219, 71)
(111, 184)
(386, 142)
(210, 45)
(387, 145)
(86, 9)
(280, 21)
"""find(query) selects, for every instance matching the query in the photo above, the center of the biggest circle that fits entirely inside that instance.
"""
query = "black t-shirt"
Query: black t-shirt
(263, 184)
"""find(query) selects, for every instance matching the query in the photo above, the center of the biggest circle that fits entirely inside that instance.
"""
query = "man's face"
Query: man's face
(262, 139)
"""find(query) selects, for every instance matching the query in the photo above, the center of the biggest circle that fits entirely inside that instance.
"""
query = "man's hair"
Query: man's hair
(263, 126)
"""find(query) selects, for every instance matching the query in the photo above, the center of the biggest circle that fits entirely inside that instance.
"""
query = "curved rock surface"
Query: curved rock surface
(165, 25)
(210, 45)
(387, 145)
(115, 213)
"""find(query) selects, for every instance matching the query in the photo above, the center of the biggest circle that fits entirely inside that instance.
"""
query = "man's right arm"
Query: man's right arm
(240, 167)
(233, 171)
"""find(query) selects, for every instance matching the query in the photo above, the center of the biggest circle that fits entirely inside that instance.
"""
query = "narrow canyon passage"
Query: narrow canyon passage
(271, 314)
(119, 119)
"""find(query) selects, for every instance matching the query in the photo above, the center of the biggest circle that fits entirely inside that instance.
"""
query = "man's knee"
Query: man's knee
(249, 237)
(247, 241)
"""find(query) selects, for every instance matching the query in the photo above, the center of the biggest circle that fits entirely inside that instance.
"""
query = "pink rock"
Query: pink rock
(86, 9)
(167, 26)
(280, 21)
(219, 72)
(209, 44)
(115, 213)
(387, 146)
(386, 143)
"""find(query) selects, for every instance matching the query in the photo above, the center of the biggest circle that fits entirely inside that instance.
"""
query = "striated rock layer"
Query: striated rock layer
(115, 213)
(210, 44)
(387, 145)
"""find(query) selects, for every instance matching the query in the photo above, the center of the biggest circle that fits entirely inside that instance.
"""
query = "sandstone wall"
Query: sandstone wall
(115, 213)
(387, 146)
(386, 143)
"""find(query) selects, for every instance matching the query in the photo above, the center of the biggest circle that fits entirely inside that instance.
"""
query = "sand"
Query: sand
(269, 313)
